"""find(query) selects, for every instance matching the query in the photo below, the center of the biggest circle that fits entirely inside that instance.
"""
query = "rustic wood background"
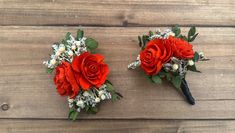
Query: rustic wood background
(29, 27)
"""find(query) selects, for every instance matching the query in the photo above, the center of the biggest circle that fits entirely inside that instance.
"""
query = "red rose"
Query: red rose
(65, 81)
(90, 70)
(156, 53)
(181, 48)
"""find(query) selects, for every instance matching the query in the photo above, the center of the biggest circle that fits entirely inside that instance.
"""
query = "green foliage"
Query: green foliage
(50, 70)
(156, 79)
(91, 44)
(92, 110)
(193, 68)
(191, 34)
(80, 34)
(176, 81)
(176, 30)
(196, 57)
(73, 114)
(114, 94)
(143, 41)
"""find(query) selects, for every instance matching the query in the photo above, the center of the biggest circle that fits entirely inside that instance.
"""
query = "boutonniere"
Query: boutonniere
(80, 74)
(169, 55)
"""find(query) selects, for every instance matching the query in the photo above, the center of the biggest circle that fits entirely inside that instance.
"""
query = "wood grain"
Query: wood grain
(30, 92)
(118, 12)
(117, 126)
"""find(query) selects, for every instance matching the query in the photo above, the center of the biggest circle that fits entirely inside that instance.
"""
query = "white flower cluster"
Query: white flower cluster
(135, 64)
(66, 51)
(162, 35)
(89, 98)
(178, 65)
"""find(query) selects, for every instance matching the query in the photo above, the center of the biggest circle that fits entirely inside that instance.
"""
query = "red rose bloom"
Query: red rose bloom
(156, 53)
(65, 81)
(90, 70)
(181, 48)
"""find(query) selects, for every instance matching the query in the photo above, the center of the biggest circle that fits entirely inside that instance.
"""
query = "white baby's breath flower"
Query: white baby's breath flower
(102, 97)
(62, 48)
(175, 66)
(85, 94)
(190, 62)
(97, 100)
(201, 54)
(78, 109)
(73, 47)
(57, 53)
(100, 93)
(70, 53)
(70, 100)
(78, 43)
(171, 34)
(52, 61)
(80, 103)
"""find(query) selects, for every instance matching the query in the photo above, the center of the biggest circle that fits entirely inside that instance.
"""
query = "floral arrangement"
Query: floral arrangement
(80, 74)
(169, 55)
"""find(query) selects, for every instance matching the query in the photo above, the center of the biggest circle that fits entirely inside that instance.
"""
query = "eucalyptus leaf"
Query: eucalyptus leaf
(50, 70)
(151, 33)
(156, 79)
(67, 36)
(91, 43)
(176, 81)
(193, 38)
(80, 34)
(176, 30)
(93, 110)
(192, 31)
(140, 41)
(193, 68)
(196, 57)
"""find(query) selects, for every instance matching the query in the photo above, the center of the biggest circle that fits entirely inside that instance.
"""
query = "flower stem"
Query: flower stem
(185, 89)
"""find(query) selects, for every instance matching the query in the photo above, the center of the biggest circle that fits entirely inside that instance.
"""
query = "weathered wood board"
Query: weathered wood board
(117, 12)
(29, 27)
(31, 94)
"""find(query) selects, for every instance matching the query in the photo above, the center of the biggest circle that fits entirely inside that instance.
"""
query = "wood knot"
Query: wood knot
(5, 106)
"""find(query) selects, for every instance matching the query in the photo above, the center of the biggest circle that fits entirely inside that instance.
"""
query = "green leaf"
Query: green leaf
(73, 114)
(109, 87)
(192, 31)
(192, 39)
(107, 81)
(176, 30)
(196, 57)
(193, 68)
(176, 81)
(183, 37)
(93, 110)
(140, 41)
(145, 39)
(91, 43)
(67, 36)
(80, 34)
(115, 96)
(168, 76)
(161, 74)
(156, 79)
(50, 70)
(151, 33)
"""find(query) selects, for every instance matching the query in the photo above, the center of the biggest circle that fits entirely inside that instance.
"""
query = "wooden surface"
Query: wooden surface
(28, 28)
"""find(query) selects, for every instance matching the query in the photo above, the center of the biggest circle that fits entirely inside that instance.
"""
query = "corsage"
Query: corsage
(80, 74)
(169, 55)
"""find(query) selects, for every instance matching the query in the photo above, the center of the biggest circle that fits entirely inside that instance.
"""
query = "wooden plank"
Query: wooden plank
(30, 92)
(117, 126)
(117, 12)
